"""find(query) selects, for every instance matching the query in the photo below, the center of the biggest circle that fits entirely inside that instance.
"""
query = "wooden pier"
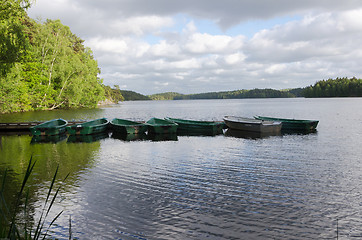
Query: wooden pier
(25, 126)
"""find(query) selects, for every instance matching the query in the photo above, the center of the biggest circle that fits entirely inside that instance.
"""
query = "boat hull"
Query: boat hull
(192, 127)
(293, 124)
(252, 125)
(87, 128)
(248, 134)
(124, 126)
(161, 126)
(50, 128)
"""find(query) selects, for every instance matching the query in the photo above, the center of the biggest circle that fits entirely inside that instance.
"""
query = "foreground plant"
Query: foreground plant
(9, 227)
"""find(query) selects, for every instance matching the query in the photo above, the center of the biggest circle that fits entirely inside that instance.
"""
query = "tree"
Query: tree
(13, 40)
(44, 65)
(339, 87)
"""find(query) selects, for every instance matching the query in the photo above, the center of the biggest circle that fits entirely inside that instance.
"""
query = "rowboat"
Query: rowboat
(192, 127)
(52, 127)
(293, 124)
(90, 127)
(128, 127)
(253, 125)
(161, 126)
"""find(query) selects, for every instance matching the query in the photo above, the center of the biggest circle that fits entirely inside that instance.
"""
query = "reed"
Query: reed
(9, 227)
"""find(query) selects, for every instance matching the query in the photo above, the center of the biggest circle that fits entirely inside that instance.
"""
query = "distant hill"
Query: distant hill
(255, 93)
(339, 87)
(165, 96)
(133, 96)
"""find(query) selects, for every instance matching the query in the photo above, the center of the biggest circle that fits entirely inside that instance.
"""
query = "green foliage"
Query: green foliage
(10, 228)
(339, 87)
(297, 92)
(113, 94)
(13, 39)
(43, 65)
(165, 96)
(255, 93)
(133, 96)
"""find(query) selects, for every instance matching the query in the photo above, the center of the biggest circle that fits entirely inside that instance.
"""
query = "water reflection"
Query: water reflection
(290, 187)
(15, 153)
(299, 132)
(129, 137)
(87, 138)
(248, 134)
(199, 133)
(76, 114)
(162, 137)
(49, 139)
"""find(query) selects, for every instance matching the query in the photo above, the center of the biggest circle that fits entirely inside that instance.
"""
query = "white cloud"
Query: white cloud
(139, 25)
(322, 42)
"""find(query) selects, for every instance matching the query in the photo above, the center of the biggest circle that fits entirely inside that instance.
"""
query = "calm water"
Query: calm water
(194, 187)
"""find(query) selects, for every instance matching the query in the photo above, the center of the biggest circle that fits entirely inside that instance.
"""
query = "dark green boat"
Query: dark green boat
(293, 124)
(161, 126)
(49, 128)
(91, 127)
(192, 127)
(124, 126)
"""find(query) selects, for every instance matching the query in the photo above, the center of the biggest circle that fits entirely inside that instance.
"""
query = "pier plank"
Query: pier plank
(24, 126)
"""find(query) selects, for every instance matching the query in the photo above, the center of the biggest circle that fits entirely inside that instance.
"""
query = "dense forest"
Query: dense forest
(166, 96)
(340, 87)
(43, 65)
(133, 96)
(255, 93)
(113, 95)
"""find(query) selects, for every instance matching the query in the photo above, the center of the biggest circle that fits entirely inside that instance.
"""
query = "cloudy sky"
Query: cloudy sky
(153, 46)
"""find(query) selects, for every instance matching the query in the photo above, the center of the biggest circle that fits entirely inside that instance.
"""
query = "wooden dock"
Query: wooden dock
(25, 126)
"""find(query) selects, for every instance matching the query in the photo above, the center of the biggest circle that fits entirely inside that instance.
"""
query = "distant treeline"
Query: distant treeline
(340, 87)
(255, 93)
(133, 96)
(113, 94)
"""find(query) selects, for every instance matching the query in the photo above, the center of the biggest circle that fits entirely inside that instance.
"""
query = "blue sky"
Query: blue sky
(208, 45)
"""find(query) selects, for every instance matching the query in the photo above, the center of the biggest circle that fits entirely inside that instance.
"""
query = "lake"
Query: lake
(292, 186)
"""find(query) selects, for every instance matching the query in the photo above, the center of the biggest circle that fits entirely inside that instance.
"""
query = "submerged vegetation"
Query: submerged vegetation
(25, 228)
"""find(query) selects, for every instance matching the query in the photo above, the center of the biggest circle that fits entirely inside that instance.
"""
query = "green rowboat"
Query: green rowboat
(293, 124)
(124, 126)
(90, 127)
(49, 128)
(253, 125)
(192, 127)
(161, 126)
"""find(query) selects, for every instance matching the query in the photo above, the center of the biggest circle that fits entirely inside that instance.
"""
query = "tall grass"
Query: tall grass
(9, 227)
